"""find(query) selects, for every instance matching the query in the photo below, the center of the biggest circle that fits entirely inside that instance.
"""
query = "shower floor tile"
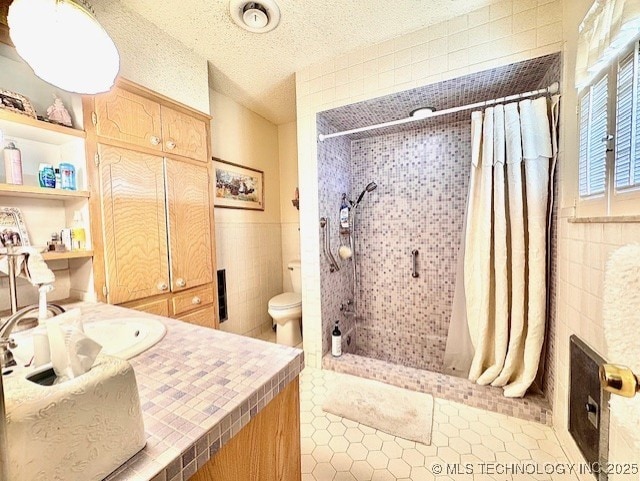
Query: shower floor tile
(468, 444)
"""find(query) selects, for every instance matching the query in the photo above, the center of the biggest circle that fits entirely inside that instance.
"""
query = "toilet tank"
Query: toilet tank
(296, 278)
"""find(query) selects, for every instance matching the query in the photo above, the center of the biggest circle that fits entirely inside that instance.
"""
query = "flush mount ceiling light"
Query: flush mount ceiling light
(256, 17)
(64, 44)
(422, 112)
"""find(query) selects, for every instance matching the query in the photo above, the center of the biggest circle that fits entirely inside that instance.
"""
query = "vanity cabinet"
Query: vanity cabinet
(152, 191)
(121, 115)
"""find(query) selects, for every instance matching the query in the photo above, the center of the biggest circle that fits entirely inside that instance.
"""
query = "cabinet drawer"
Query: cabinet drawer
(193, 299)
(158, 307)
(202, 317)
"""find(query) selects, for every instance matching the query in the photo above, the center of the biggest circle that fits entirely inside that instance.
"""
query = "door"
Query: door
(121, 115)
(134, 218)
(184, 135)
(189, 224)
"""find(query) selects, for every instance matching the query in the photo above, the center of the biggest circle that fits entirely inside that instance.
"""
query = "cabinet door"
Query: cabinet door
(184, 135)
(189, 225)
(205, 317)
(135, 230)
(129, 118)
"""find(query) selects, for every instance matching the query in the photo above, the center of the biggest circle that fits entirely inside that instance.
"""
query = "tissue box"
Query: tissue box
(78, 430)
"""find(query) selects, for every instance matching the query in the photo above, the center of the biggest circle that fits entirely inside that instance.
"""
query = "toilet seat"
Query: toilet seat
(287, 300)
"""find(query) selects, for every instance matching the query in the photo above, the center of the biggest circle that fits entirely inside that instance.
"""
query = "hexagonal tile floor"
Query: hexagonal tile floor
(468, 444)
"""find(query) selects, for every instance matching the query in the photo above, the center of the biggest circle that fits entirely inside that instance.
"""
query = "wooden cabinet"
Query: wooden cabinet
(266, 449)
(189, 224)
(124, 116)
(153, 197)
(205, 317)
(133, 201)
(184, 135)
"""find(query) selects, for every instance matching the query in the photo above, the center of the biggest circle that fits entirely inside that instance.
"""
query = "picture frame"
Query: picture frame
(16, 103)
(237, 186)
(12, 228)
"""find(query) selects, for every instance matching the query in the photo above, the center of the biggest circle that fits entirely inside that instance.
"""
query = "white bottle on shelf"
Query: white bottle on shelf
(13, 164)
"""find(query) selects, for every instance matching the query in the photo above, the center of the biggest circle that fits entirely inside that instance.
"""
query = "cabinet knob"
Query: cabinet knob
(163, 286)
(171, 145)
(154, 140)
(196, 300)
(180, 282)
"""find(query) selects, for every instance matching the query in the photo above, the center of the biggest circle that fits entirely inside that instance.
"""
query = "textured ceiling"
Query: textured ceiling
(258, 70)
(489, 84)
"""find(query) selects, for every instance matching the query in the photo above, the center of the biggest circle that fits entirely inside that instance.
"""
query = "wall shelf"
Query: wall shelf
(56, 256)
(11, 190)
(24, 127)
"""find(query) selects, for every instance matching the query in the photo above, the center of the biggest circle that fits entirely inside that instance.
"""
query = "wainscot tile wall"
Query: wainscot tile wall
(251, 254)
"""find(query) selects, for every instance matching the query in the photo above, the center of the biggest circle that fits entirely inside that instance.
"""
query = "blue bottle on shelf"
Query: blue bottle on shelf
(68, 176)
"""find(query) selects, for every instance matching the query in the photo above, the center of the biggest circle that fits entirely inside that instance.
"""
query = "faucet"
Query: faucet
(6, 343)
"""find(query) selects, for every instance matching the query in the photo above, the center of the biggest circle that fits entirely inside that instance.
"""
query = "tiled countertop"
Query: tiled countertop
(198, 387)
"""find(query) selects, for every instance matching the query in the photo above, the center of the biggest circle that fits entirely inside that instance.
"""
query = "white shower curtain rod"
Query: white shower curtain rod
(552, 89)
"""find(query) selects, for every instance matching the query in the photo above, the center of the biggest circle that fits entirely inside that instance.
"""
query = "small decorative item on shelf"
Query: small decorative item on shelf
(67, 176)
(12, 227)
(296, 199)
(58, 114)
(17, 103)
(55, 244)
(47, 176)
(78, 234)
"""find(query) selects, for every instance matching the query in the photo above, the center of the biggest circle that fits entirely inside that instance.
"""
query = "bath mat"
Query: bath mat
(390, 409)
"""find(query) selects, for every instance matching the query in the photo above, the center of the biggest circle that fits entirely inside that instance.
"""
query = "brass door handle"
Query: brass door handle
(619, 380)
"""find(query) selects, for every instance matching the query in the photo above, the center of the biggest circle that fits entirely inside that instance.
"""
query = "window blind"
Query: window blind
(627, 165)
(593, 129)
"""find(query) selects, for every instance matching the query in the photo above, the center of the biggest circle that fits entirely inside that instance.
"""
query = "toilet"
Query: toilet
(286, 310)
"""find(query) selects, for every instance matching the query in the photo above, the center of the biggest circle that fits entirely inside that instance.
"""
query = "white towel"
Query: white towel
(30, 266)
(621, 319)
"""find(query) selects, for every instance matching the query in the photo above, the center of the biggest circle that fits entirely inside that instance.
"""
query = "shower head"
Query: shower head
(371, 186)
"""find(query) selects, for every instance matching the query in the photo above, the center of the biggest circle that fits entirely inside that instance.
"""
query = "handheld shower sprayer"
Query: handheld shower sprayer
(371, 186)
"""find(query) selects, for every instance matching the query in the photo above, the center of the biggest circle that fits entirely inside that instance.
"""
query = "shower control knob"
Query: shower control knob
(180, 282)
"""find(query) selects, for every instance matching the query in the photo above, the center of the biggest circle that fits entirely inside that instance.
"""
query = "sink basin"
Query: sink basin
(126, 337)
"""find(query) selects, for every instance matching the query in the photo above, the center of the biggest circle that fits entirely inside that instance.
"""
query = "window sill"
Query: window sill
(618, 219)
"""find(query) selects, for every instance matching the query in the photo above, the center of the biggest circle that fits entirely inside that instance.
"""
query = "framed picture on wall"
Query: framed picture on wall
(238, 187)
(12, 228)
(17, 103)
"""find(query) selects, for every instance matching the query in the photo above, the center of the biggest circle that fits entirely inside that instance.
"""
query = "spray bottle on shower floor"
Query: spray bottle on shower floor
(336, 341)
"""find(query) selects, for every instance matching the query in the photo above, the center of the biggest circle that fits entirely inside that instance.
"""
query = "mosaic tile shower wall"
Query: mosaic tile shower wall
(422, 178)
(334, 176)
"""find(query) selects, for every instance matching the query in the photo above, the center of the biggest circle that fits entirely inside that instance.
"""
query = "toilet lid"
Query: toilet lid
(286, 300)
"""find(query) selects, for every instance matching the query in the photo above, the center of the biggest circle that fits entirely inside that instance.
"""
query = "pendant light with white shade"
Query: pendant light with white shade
(64, 44)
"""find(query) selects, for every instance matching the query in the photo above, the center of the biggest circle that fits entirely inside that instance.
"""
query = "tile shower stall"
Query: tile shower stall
(422, 171)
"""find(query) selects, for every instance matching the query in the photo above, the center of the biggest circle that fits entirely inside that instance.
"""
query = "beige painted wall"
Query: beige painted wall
(583, 253)
(289, 215)
(248, 243)
(152, 58)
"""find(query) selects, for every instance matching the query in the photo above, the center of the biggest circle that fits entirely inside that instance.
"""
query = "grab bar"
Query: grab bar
(414, 262)
(326, 245)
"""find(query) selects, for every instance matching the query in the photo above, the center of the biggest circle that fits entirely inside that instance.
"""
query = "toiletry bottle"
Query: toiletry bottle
(68, 176)
(46, 176)
(336, 341)
(58, 179)
(344, 214)
(78, 234)
(13, 164)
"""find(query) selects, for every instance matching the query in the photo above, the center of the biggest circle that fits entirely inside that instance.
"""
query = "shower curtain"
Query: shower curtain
(505, 247)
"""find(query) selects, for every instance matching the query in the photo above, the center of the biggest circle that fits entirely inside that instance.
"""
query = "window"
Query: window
(593, 129)
(609, 165)
(627, 150)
